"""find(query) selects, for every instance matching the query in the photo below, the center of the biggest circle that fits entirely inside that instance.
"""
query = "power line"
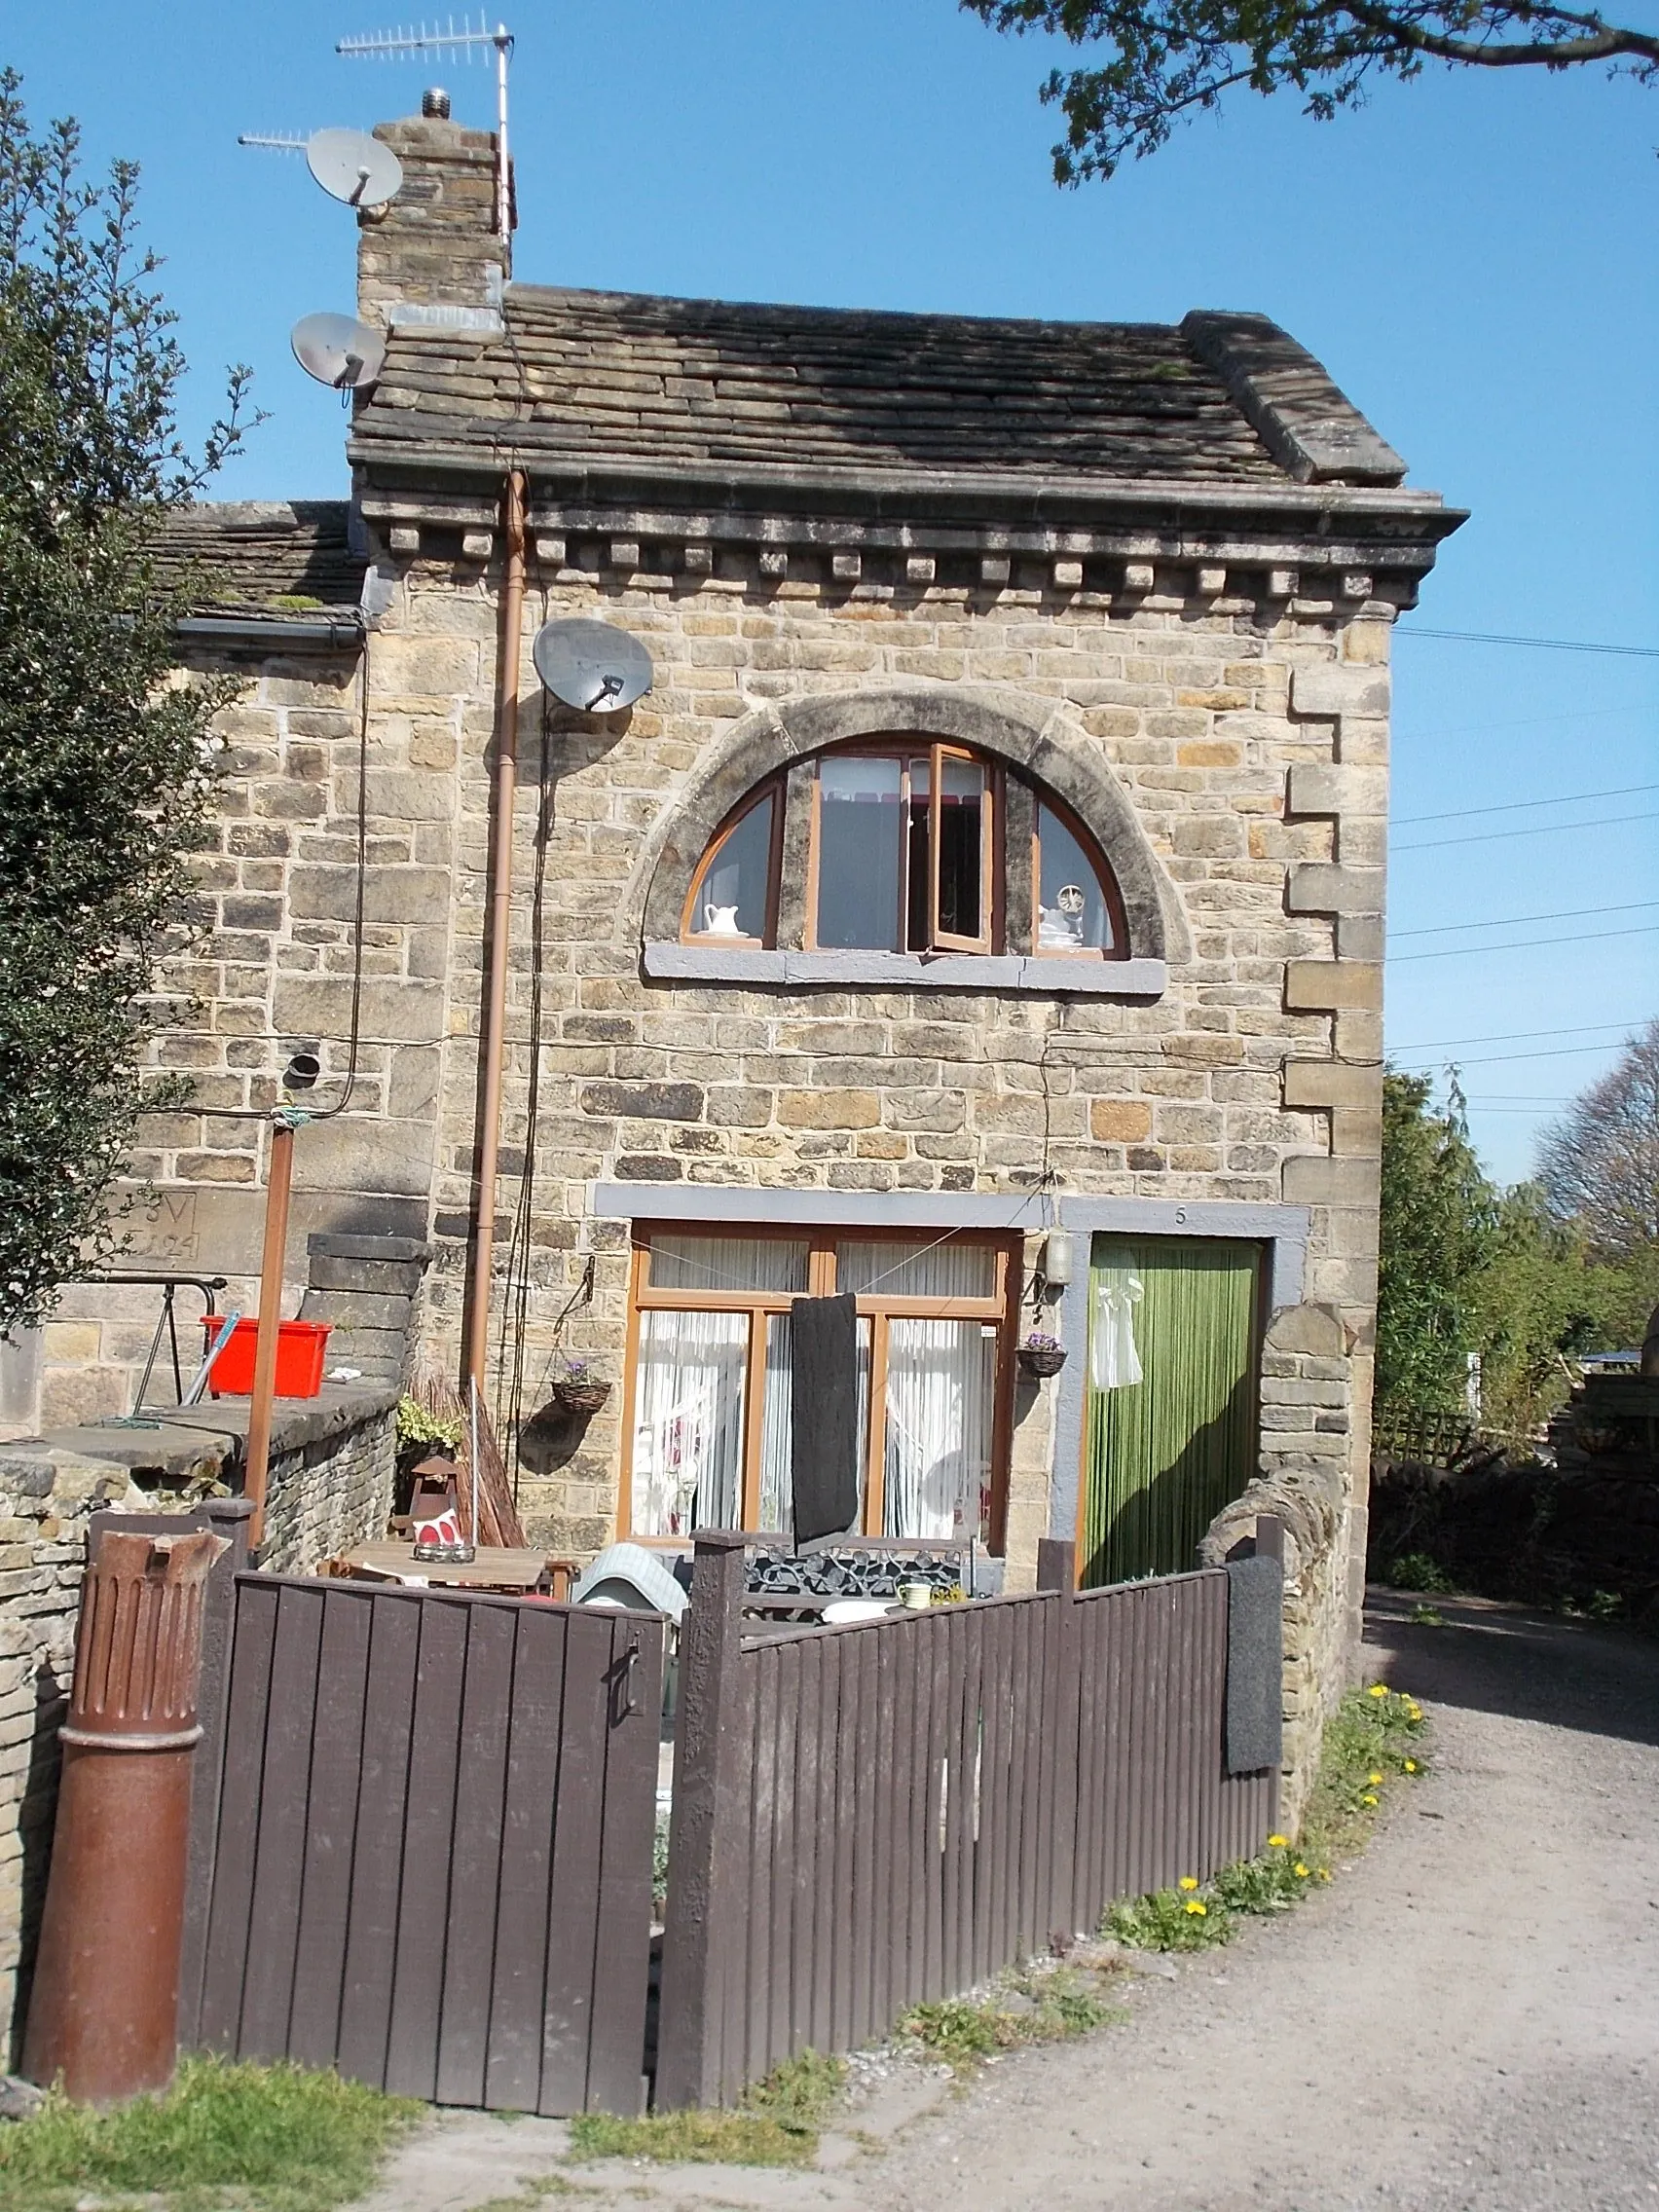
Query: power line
(1566, 915)
(1539, 644)
(1540, 830)
(1492, 1059)
(1517, 1036)
(1523, 944)
(1524, 722)
(1521, 805)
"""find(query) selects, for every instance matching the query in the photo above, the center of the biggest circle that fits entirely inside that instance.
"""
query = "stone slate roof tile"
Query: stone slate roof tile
(266, 556)
(581, 376)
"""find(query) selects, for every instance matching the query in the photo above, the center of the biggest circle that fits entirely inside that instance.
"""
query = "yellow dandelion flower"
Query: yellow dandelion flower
(1196, 1904)
(1369, 1799)
(1189, 1881)
(1374, 1777)
(1411, 1766)
(1300, 1870)
(1378, 1689)
(1279, 1842)
(1324, 1873)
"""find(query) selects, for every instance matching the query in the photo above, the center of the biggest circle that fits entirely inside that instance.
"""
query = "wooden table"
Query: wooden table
(495, 1567)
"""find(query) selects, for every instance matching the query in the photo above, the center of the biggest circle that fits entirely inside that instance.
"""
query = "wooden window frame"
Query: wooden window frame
(992, 886)
(945, 940)
(1119, 949)
(771, 789)
(1000, 1307)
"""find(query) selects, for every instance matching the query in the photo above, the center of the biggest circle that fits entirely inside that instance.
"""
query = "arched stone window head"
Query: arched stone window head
(894, 854)
(911, 847)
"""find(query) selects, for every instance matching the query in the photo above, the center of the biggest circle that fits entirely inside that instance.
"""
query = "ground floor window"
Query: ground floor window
(711, 1380)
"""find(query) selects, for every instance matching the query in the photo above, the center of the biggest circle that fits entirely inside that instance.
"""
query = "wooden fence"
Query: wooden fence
(427, 1823)
(870, 1817)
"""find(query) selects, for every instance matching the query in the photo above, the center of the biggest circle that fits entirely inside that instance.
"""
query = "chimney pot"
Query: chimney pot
(435, 105)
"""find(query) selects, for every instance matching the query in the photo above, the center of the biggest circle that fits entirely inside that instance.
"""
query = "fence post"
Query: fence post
(710, 1744)
(1062, 1752)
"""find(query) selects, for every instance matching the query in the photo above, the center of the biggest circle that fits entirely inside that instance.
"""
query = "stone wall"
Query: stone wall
(1248, 736)
(1307, 1414)
(331, 1481)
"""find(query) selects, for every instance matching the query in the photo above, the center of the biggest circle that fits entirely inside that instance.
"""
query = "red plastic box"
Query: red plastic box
(300, 1349)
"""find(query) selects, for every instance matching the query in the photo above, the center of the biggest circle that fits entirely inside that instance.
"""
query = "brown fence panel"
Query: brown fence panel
(433, 1843)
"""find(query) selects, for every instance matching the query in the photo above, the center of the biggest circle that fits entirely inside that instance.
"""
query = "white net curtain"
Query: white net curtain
(938, 1399)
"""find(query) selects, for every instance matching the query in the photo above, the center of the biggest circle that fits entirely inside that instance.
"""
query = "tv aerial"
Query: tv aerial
(349, 164)
(464, 44)
(339, 351)
(592, 664)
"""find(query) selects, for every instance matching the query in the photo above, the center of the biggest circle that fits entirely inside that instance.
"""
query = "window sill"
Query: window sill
(936, 971)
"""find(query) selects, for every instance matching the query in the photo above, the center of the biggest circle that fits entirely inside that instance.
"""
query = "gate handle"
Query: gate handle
(630, 1662)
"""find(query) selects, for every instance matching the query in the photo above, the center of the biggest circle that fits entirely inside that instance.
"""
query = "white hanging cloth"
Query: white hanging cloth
(1113, 1360)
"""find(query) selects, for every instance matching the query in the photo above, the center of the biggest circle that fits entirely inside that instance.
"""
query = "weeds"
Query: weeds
(1374, 1735)
(1041, 2006)
(777, 2123)
(277, 2137)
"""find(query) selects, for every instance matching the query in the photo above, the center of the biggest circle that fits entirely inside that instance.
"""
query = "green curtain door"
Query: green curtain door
(1164, 1454)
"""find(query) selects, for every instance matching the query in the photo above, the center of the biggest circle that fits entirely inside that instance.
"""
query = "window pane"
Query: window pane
(688, 1422)
(886, 1269)
(937, 1466)
(777, 1430)
(727, 1263)
(859, 831)
(734, 895)
(961, 847)
(1072, 913)
(919, 859)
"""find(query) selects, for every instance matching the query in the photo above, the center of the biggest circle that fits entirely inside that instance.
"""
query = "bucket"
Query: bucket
(301, 1347)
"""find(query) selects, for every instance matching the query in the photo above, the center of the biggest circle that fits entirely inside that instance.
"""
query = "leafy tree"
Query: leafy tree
(1598, 1164)
(1439, 1232)
(1169, 58)
(105, 755)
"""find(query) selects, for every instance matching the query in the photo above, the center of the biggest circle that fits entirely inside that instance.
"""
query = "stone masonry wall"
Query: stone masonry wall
(1250, 735)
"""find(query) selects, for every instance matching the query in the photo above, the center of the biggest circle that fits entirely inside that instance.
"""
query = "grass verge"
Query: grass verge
(1374, 1737)
(267, 2138)
(777, 2125)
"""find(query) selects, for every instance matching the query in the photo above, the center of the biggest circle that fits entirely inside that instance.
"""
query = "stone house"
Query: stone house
(991, 877)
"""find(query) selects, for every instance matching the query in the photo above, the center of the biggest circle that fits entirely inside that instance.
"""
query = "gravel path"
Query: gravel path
(1468, 2020)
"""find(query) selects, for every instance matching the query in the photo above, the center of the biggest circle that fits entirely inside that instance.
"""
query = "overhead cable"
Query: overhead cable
(1539, 644)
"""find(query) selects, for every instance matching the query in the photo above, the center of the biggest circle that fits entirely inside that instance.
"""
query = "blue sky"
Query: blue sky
(1472, 259)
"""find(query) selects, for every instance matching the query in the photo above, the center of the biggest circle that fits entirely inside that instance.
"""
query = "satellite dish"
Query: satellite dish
(339, 351)
(592, 664)
(352, 167)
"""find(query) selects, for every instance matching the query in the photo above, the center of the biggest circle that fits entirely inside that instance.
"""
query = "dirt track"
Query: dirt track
(1467, 2018)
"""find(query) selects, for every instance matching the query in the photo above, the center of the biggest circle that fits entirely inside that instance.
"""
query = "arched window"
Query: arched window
(909, 846)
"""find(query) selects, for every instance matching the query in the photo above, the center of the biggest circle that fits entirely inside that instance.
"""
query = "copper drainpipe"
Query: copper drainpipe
(500, 911)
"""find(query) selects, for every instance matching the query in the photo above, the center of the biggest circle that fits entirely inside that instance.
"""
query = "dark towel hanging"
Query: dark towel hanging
(824, 1353)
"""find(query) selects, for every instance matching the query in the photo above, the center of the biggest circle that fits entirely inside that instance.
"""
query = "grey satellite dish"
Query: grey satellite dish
(592, 664)
(339, 351)
(352, 167)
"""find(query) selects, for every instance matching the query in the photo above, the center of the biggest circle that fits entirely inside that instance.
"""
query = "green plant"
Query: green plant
(1170, 1920)
(1425, 1616)
(1039, 2004)
(419, 1424)
(107, 765)
(1416, 1570)
(777, 2123)
(1375, 1734)
(281, 2137)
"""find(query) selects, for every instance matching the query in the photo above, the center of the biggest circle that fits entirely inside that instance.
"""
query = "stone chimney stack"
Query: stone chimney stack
(432, 256)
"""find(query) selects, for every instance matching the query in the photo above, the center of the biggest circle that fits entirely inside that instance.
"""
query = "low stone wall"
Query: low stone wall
(1306, 1378)
(331, 1478)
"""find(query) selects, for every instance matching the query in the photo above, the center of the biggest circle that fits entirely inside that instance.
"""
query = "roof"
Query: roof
(282, 558)
(708, 387)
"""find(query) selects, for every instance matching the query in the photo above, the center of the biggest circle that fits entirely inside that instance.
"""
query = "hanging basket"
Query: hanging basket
(1042, 1360)
(580, 1397)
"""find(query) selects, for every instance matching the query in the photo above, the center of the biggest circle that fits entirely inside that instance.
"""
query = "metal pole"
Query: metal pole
(504, 189)
(270, 1319)
(501, 921)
